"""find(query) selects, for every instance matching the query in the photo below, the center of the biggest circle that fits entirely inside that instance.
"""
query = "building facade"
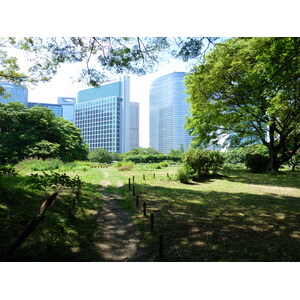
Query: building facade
(64, 107)
(103, 115)
(14, 93)
(134, 124)
(56, 108)
(168, 112)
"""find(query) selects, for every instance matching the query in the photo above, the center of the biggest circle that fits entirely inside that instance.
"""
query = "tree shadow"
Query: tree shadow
(281, 179)
(214, 226)
(65, 234)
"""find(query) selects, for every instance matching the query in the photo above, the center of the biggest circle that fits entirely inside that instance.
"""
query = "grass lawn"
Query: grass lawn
(234, 217)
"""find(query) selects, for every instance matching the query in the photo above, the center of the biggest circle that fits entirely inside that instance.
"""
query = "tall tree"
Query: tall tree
(247, 90)
(37, 132)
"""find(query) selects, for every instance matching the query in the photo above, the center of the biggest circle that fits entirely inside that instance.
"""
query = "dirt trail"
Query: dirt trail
(118, 237)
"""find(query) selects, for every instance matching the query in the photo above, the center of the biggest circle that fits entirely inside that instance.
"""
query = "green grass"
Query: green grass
(236, 216)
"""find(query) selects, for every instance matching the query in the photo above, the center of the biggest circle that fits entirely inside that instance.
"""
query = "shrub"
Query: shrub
(184, 174)
(203, 161)
(257, 163)
(100, 155)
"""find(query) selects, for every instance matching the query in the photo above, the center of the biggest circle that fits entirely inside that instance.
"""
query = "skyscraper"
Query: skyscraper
(15, 93)
(134, 124)
(103, 115)
(168, 112)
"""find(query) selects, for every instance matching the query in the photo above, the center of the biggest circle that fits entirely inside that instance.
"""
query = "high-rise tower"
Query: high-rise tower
(168, 112)
(103, 115)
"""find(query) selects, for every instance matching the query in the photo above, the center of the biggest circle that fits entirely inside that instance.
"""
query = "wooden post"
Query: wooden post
(144, 176)
(129, 184)
(160, 246)
(168, 175)
(144, 209)
(137, 201)
(154, 175)
(152, 221)
(132, 179)
(133, 190)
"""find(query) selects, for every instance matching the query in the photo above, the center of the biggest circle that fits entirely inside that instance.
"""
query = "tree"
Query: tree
(247, 91)
(37, 132)
(100, 155)
(100, 55)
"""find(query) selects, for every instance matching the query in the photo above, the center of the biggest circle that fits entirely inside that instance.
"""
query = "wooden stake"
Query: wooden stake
(129, 184)
(133, 190)
(151, 221)
(132, 179)
(160, 246)
(144, 209)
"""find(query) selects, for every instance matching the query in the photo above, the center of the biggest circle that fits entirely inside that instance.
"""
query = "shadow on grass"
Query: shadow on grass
(65, 234)
(281, 179)
(214, 226)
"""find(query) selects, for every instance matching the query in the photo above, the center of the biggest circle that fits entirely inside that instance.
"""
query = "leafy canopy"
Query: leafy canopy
(37, 132)
(247, 91)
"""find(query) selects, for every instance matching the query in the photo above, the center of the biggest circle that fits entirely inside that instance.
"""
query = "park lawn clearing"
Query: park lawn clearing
(238, 217)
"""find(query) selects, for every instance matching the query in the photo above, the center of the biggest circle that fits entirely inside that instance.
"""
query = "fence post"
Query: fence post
(144, 176)
(144, 209)
(129, 184)
(168, 175)
(137, 201)
(133, 190)
(152, 221)
(160, 246)
(154, 175)
(132, 179)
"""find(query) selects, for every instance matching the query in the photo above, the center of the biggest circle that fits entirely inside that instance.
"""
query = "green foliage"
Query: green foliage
(257, 163)
(184, 174)
(238, 155)
(151, 158)
(100, 155)
(35, 164)
(44, 149)
(246, 91)
(202, 161)
(294, 161)
(37, 132)
(54, 180)
(7, 171)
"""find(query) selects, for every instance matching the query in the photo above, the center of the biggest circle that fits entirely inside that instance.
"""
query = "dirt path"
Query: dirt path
(118, 237)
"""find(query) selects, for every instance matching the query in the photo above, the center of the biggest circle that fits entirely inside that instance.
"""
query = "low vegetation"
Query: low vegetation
(231, 215)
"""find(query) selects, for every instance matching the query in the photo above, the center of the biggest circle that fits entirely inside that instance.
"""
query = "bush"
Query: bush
(184, 174)
(203, 161)
(257, 163)
(100, 155)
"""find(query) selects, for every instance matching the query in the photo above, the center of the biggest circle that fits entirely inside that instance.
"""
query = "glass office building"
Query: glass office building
(168, 112)
(14, 93)
(103, 115)
(64, 108)
(134, 124)
(56, 108)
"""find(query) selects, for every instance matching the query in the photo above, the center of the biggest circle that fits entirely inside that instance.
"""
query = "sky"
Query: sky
(62, 85)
